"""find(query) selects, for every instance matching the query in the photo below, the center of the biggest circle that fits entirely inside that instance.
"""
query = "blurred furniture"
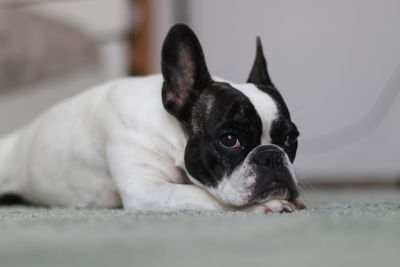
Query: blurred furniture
(140, 43)
(51, 50)
(34, 48)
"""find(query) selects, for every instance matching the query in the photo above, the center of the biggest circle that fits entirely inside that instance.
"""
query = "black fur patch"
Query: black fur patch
(231, 113)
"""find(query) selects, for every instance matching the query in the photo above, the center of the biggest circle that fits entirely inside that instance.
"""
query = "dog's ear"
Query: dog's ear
(184, 70)
(259, 72)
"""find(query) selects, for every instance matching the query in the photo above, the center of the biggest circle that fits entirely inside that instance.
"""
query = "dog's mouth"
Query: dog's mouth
(280, 192)
(274, 190)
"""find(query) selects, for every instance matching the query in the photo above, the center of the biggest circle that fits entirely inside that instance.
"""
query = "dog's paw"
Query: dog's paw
(276, 206)
(299, 204)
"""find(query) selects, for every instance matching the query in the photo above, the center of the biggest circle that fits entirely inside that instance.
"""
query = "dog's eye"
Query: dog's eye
(290, 140)
(230, 141)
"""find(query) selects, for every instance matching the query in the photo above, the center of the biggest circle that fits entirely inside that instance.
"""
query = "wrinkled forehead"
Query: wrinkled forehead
(264, 105)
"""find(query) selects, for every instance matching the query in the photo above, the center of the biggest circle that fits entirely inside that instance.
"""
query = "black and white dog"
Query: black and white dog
(182, 140)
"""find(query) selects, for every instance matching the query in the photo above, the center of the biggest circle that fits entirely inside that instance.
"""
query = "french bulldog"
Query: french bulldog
(183, 140)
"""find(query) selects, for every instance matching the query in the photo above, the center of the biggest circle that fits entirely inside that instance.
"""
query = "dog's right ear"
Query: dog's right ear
(184, 70)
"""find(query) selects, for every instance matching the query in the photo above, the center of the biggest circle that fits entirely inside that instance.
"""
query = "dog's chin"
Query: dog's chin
(227, 193)
(280, 193)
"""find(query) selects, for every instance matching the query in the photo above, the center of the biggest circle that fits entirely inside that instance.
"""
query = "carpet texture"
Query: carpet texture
(340, 228)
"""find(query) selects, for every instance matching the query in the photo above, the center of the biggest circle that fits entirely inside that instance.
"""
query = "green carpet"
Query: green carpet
(340, 228)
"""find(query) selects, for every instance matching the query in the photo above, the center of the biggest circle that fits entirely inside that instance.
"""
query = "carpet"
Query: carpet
(342, 227)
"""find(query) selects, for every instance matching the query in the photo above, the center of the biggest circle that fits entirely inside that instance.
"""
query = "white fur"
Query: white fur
(64, 157)
(237, 188)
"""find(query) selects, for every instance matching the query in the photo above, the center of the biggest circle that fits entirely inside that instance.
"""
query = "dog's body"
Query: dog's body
(64, 157)
(122, 144)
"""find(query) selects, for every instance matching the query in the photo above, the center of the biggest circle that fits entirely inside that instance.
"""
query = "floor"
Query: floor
(342, 227)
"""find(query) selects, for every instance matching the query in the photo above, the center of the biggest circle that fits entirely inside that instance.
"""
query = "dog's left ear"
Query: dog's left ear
(259, 72)
(184, 70)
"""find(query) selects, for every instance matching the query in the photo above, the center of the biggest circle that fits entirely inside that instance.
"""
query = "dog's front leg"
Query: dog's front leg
(148, 193)
(145, 184)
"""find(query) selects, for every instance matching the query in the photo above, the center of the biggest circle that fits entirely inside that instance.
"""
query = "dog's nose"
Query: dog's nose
(270, 157)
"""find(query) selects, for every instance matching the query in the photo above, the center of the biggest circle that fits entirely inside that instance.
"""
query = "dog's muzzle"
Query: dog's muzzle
(266, 173)
(275, 174)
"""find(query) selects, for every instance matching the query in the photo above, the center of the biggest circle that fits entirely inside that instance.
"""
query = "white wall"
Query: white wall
(331, 60)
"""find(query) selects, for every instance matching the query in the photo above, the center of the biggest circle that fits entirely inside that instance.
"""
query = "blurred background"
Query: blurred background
(336, 62)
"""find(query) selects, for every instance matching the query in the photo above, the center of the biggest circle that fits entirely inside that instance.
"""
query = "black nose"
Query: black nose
(270, 157)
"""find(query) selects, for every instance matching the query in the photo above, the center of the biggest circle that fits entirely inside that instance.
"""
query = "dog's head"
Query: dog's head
(241, 140)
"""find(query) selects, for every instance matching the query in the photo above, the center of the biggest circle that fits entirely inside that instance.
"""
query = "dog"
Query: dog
(182, 140)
